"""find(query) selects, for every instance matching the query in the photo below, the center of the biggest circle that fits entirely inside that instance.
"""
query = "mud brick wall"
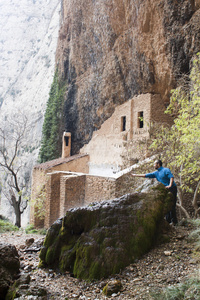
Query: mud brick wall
(72, 192)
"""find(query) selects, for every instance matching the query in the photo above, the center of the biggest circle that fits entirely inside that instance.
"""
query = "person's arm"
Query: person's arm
(170, 183)
(138, 175)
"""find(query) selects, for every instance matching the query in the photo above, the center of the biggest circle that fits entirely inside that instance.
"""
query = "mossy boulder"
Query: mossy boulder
(101, 239)
(112, 287)
(24, 288)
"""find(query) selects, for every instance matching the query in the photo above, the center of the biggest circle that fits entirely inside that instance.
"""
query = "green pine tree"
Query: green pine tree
(51, 139)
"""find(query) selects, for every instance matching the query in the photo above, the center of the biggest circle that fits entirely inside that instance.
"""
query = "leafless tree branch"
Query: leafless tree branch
(12, 137)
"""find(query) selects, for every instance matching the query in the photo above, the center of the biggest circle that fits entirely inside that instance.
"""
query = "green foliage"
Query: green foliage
(189, 289)
(195, 235)
(31, 229)
(180, 143)
(39, 203)
(196, 222)
(51, 139)
(6, 226)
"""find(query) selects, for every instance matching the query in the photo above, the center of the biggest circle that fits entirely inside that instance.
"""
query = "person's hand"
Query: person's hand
(168, 187)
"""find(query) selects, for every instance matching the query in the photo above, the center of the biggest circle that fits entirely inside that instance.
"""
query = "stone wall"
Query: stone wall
(52, 203)
(66, 190)
(47, 186)
(69, 190)
(38, 186)
(157, 111)
(125, 185)
(109, 143)
(72, 192)
(99, 188)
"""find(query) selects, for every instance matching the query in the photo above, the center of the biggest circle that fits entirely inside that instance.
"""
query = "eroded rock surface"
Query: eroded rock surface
(101, 239)
(110, 51)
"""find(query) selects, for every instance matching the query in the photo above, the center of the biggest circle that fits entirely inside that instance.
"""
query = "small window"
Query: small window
(123, 123)
(66, 141)
(140, 119)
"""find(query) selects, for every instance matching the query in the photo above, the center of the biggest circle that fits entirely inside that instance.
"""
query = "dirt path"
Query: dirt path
(167, 264)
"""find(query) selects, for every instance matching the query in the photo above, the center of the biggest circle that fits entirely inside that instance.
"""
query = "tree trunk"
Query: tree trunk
(180, 202)
(18, 218)
(183, 210)
(16, 206)
(194, 202)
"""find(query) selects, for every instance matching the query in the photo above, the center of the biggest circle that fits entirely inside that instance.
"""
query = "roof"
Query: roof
(59, 161)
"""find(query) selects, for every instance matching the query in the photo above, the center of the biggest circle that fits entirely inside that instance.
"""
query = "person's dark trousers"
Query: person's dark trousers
(171, 215)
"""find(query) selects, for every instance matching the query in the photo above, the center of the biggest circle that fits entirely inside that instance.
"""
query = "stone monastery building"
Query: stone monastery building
(95, 173)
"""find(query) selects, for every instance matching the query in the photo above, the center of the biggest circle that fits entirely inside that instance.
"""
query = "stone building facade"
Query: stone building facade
(94, 174)
(129, 124)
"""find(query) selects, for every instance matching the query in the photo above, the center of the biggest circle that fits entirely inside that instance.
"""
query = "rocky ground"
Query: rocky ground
(167, 264)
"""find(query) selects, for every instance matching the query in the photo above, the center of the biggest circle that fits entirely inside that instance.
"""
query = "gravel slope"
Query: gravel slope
(167, 264)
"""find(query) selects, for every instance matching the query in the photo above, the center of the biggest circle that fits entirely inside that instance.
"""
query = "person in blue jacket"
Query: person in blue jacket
(164, 176)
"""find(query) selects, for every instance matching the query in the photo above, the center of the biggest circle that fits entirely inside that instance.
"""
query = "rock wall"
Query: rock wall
(101, 239)
(109, 51)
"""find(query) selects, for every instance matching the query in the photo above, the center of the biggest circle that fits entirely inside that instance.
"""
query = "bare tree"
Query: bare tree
(13, 133)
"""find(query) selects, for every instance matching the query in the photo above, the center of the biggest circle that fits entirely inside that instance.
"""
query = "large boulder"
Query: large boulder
(101, 239)
(9, 267)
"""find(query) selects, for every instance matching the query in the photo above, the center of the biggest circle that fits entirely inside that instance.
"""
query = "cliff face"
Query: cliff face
(29, 31)
(109, 51)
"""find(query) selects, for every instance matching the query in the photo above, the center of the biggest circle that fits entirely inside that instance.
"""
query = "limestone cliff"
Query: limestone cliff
(29, 31)
(109, 51)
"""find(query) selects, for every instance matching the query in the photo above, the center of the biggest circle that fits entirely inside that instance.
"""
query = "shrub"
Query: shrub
(30, 229)
(6, 226)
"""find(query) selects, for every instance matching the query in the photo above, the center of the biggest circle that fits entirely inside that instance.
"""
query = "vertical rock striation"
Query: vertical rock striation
(109, 51)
